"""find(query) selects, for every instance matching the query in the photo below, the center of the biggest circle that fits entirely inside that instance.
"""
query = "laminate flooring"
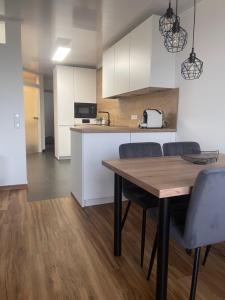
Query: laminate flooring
(47, 176)
(55, 250)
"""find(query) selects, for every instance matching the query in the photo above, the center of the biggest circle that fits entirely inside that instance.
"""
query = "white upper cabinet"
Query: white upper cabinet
(63, 95)
(140, 61)
(84, 85)
(108, 84)
(140, 56)
(122, 65)
(162, 62)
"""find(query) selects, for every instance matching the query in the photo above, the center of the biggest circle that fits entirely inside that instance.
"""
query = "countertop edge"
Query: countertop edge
(119, 130)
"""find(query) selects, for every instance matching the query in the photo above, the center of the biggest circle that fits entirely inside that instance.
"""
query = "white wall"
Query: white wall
(12, 141)
(201, 115)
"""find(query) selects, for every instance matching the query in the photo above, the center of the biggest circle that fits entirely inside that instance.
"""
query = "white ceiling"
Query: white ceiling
(91, 25)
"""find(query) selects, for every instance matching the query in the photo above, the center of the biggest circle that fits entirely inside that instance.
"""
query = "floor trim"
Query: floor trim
(14, 187)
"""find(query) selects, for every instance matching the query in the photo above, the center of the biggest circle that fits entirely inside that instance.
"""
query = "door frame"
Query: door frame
(41, 120)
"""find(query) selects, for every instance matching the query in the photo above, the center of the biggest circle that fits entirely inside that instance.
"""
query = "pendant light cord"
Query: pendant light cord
(193, 41)
(176, 8)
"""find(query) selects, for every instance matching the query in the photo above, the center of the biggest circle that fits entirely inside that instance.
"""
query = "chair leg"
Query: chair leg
(195, 273)
(188, 251)
(125, 215)
(152, 256)
(143, 236)
(208, 248)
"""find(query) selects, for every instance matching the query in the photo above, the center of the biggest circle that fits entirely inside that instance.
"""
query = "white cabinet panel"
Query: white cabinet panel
(162, 62)
(64, 142)
(139, 61)
(156, 137)
(64, 95)
(98, 181)
(108, 72)
(140, 56)
(122, 65)
(76, 166)
(84, 85)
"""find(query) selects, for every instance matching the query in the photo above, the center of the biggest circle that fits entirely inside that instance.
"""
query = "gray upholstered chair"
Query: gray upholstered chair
(134, 193)
(181, 148)
(203, 222)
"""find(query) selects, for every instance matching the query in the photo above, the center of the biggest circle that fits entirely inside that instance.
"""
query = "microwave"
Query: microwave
(85, 110)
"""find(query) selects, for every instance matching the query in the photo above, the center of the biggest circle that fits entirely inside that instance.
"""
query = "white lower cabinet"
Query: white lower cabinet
(92, 183)
(64, 146)
(156, 137)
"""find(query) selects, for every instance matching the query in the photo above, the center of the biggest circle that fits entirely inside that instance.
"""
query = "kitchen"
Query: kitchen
(128, 123)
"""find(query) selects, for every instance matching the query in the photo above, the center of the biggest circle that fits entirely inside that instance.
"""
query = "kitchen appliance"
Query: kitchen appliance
(152, 118)
(85, 110)
(85, 113)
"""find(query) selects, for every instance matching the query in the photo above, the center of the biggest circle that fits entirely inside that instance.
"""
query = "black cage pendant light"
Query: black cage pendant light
(192, 67)
(176, 37)
(167, 20)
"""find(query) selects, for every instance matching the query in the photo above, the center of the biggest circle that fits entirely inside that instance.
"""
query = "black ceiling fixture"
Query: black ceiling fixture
(192, 67)
(167, 20)
(176, 37)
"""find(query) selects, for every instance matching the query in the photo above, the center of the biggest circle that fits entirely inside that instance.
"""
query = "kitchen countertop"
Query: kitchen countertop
(116, 129)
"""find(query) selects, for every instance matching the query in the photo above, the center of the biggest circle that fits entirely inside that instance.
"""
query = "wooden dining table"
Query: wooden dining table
(164, 177)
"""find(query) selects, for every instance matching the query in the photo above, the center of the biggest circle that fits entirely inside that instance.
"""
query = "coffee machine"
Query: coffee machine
(152, 118)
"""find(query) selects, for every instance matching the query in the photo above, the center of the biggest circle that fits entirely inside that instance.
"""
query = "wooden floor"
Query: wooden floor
(53, 249)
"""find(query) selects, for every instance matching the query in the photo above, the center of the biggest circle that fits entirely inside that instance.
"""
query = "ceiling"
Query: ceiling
(89, 25)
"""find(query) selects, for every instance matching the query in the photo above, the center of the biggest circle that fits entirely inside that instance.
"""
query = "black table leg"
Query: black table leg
(163, 249)
(117, 214)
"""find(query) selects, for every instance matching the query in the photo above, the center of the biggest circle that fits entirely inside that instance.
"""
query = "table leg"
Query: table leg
(117, 214)
(163, 249)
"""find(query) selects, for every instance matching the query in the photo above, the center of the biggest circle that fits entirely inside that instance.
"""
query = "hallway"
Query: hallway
(47, 177)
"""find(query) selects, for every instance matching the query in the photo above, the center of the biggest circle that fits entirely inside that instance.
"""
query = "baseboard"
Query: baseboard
(96, 201)
(14, 187)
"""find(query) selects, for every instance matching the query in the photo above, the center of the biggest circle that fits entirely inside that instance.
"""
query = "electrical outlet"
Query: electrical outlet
(134, 117)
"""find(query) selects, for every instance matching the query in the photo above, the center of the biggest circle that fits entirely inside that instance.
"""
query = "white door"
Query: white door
(32, 114)
(64, 95)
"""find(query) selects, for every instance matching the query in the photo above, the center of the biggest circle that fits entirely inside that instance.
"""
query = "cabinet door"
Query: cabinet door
(156, 137)
(122, 65)
(64, 142)
(64, 95)
(140, 56)
(108, 72)
(85, 85)
(163, 62)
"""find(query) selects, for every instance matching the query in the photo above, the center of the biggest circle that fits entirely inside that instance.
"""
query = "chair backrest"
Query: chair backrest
(181, 148)
(138, 150)
(205, 219)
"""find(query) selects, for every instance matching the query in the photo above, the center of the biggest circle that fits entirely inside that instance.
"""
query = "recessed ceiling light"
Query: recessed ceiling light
(61, 53)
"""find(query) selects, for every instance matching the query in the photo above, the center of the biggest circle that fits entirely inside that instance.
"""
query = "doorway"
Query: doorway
(32, 112)
(32, 116)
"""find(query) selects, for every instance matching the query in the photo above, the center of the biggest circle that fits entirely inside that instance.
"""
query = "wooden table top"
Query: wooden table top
(161, 176)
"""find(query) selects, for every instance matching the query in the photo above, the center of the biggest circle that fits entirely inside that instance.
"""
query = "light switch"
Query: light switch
(16, 119)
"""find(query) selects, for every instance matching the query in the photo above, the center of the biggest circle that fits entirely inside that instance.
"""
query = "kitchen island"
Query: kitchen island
(91, 183)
